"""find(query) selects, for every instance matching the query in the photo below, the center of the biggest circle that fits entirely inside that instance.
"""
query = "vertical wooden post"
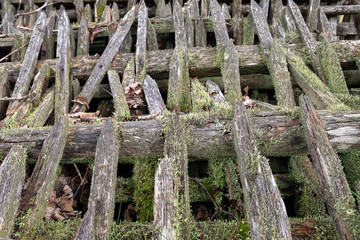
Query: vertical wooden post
(12, 174)
(264, 205)
(83, 38)
(4, 90)
(333, 184)
(140, 53)
(102, 194)
(172, 217)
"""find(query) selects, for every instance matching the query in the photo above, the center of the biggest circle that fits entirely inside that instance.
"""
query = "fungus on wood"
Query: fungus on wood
(264, 205)
(12, 174)
(333, 184)
(172, 217)
(105, 60)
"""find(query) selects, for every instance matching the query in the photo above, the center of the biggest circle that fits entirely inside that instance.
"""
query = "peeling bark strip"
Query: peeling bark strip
(153, 97)
(171, 197)
(307, 38)
(12, 174)
(44, 174)
(104, 180)
(105, 60)
(62, 80)
(329, 170)
(264, 205)
(312, 85)
(28, 65)
(83, 38)
(140, 54)
(179, 82)
(121, 107)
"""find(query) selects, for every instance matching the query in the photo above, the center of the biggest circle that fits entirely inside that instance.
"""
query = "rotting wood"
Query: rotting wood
(179, 82)
(79, 7)
(106, 15)
(171, 196)
(129, 73)
(333, 184)
(153, 97)
(28, 65)
(163, 10)
(12, 175)
(140, 52)
(151, 39)
(83, 38)
(288, 21)
(312, 16)
(86, 228)
(276, 59)
(203, 59)
(225, 10)
(219, 25)
(4, 90)
(115, 12)
(121, 107)
(307, 38)
(39, 185)
(200, 33)
(312, 85)
(215, 92)
(47, 48)
(341, 10)
(190, 34)
(265, 4)
(88, 13)
(62, 80)
(142, 139)
(105, 60)
(264, 205)
(104, 180)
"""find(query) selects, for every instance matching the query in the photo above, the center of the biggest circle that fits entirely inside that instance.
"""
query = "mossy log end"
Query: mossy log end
(12, 174)
(279, 135)
(263, 203)
(333, 183)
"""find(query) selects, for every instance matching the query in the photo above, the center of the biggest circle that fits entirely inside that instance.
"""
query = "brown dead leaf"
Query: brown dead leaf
(94, 31)
(82, 101)
(246, 91)
(64, 203)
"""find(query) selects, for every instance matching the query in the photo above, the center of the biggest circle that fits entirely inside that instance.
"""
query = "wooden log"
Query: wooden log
(261, 27)
(12, 174)
(179, 82)
(28, 65)
(333, 184)
(163, 10)
(312, 15)
(190, 34)
(171, 196)
(88, 13)
(105, 60)
(225, 10)
(121, 107)
(127, 45)
(106, 15)
(202, 59)
(115, 12)
(86, 228)
(41, 181)
(288, 21)
(79, 7)
(312, 85)
(341, 10)
(215, 92)
(47, 48)
(41, 114)
(104, 180)
(4, 91)
(151, 39)
(144, 139)
(308, 39)
(200, 33)
(264, 205)
(129, 73)
(219, 25)
(324, 26)
(205, 8)
(265, 4)
(140, 52)
(278, 30)
(62, 80)
(153, 97)
(332, 69)
(83, 39)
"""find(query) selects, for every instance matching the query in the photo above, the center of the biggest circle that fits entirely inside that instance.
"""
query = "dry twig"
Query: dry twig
(4, 58)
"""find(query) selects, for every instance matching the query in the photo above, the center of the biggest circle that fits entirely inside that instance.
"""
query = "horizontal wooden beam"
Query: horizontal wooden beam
(202, 61)
(278, 135)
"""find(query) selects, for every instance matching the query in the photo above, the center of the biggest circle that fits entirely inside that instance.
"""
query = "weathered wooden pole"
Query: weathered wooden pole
(121, 107)
(12, 174)
(264, 206)
(153, 97)
(140, 52)
(172, 216)
(333, 184)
